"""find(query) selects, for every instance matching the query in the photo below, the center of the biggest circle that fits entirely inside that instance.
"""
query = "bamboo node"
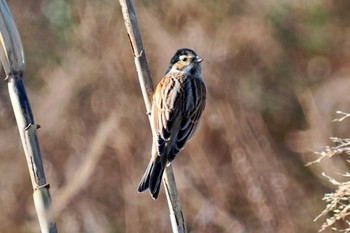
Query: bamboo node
(28, 126)
(13, 74)
(47, 186)
(139, 55)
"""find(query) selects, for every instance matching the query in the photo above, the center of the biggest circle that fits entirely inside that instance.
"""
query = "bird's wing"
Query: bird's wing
(177, 107)
(165, 109)
(194, 100)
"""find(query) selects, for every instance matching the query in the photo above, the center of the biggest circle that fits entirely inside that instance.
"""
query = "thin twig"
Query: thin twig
(130, 19)
(84, 172)
(12, 58)
(343, 114)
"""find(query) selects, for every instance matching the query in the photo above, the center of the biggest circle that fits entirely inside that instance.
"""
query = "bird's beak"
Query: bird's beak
(198, 59)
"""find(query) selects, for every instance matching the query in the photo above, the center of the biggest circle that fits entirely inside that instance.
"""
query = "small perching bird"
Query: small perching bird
(178, 103)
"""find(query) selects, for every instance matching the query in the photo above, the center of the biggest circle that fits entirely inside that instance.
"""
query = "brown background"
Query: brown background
(276, 73)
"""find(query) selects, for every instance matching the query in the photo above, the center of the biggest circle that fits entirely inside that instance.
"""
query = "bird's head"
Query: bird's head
(185, 60)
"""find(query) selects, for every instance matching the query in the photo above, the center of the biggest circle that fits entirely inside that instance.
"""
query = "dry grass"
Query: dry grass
(337, 209)
(276, 72)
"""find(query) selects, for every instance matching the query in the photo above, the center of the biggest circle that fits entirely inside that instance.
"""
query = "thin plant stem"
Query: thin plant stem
(12, 58)
(132, 27)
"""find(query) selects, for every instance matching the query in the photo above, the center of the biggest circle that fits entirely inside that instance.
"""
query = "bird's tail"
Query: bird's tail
(153, 177)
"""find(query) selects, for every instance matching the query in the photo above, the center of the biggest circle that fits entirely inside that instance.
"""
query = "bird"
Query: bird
(177, 106)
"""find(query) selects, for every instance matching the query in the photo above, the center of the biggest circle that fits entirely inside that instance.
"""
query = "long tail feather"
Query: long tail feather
(144, 183)
(153, 177)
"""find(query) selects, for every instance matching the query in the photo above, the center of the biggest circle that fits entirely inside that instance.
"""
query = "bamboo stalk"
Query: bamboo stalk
(132, 27)
(12, 58)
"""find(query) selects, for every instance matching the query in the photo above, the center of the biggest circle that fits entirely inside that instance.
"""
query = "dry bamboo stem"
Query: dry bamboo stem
(12, 58)
(131, 24)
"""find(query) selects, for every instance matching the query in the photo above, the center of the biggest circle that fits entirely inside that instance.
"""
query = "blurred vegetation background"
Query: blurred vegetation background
(276, 73)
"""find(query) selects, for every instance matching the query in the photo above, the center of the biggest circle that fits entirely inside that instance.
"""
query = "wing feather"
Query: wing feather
(177, 107)
(196, 92)
(164, 109)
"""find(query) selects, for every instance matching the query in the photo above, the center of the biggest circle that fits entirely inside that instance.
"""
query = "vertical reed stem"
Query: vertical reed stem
(12, 58)
(132, 27)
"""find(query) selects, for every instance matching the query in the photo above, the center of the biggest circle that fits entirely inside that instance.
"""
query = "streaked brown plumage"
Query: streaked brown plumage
(178, 103)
